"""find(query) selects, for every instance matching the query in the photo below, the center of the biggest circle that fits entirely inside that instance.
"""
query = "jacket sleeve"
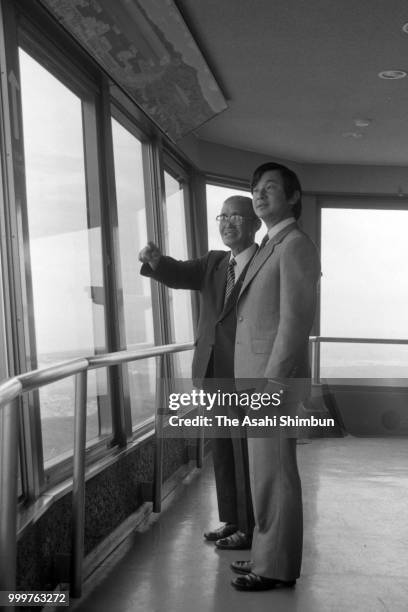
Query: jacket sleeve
(299, 276)
(178, 274)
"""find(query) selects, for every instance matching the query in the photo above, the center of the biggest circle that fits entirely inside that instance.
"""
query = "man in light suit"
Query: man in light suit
(275, 312)
(218, 276)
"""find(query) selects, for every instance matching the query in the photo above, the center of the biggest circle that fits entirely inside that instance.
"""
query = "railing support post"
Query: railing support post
(316, 361)
(158, 448)
(200, 448)
(78, 490)
(9, 423)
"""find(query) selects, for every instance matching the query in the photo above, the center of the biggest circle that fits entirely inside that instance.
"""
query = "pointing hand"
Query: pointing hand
(151, 255)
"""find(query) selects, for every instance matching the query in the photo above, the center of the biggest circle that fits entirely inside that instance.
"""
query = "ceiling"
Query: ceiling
(297, 74)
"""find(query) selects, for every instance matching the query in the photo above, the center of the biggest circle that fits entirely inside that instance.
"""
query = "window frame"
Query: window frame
(31, 27)
(149, 160)
(181, 174)
(173, 166)
(49, 55)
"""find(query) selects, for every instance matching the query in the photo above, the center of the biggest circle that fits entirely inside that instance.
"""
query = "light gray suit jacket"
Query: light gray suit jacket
(275, 309)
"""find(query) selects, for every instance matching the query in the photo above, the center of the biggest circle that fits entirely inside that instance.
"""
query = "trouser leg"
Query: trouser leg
(225, 479)
(277, 499)
(245, 513)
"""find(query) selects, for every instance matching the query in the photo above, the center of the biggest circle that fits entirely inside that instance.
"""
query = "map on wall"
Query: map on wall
(147, 49)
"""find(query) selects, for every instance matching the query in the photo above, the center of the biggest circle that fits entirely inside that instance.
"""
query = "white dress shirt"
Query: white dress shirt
(243, 258)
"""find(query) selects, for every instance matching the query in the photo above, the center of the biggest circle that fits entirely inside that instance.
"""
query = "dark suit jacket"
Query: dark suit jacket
(214, 345)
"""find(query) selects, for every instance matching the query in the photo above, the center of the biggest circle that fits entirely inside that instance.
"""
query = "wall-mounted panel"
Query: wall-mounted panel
(147, 49)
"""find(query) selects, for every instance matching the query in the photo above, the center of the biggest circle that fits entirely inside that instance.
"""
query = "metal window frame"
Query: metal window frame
(182, 174)
(158, 153)
(151, 158)
(51, 58)
(18, 294)
(23, 30)
(30, 26)
(118, 377)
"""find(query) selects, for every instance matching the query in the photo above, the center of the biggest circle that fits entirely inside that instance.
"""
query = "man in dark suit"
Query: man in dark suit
(218, 276)
(275, 311)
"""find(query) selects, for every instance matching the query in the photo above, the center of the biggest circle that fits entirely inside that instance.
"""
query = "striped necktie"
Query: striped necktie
(230, 279)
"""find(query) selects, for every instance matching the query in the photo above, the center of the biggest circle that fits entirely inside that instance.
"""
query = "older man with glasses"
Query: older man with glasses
(218, 276)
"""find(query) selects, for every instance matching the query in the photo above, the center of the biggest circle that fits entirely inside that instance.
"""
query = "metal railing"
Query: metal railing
(316, 341)
(10, 392)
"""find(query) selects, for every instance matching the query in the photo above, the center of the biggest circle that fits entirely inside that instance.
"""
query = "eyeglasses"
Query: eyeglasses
(233, 219)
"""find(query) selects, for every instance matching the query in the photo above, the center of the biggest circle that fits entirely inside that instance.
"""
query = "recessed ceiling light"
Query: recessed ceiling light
(352, 135)
(405, 28)
(362, 122)
(392, 74)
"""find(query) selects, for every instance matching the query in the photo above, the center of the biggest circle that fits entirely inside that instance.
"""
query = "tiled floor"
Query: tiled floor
(355, 494)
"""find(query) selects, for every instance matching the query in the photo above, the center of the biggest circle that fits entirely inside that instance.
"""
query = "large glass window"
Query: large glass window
(364, 291)
(64, 249)
(137, 300)
(216, 196)
(176, 246)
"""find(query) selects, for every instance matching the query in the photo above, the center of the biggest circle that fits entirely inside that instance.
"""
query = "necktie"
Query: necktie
(264, 241)
(230, 279)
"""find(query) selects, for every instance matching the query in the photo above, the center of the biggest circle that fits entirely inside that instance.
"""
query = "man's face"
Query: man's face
(269, 199)
(235, 236)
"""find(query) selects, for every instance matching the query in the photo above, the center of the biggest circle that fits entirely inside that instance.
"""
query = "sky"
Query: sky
(364, 287)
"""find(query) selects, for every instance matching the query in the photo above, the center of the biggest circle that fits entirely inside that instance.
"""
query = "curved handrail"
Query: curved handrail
(316, 341)
(50, 374)
(109, 359)
(41, 377)
(10, 391)
(358, 340)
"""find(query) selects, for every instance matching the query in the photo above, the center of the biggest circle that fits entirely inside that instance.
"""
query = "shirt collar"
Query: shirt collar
(280, 226)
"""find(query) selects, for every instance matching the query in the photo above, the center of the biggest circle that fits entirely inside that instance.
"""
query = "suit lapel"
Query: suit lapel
(263, 254)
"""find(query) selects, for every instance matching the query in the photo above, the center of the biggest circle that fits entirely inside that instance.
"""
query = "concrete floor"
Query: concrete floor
(355, 493)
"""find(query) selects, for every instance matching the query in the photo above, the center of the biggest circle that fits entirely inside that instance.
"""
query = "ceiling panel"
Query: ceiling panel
(298, 74)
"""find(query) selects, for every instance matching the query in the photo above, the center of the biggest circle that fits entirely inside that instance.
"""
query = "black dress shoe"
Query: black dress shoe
(236, 541)
(222, 532)
(253, 582)
(242, 567)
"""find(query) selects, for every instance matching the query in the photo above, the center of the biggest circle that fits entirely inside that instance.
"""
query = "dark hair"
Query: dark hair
(290, 182)
(243, 200)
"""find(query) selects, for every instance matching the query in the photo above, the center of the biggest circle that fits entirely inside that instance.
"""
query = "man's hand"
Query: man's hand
(151, 255)
(278, 388)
